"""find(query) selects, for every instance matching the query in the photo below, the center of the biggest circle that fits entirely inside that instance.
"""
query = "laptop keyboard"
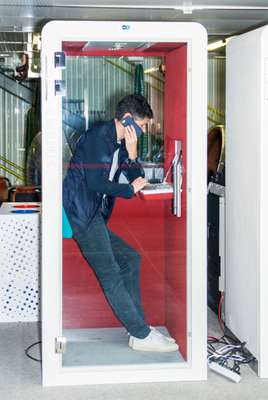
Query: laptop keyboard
(158, 187)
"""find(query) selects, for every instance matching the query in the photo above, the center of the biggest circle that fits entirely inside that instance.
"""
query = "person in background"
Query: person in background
(89, 192)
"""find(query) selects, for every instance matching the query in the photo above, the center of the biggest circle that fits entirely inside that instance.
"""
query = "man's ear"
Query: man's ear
(126, 115)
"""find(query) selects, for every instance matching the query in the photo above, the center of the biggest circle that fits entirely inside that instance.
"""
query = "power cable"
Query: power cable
(29, 348)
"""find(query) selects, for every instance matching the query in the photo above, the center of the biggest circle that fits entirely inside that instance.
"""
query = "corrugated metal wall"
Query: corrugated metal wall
(101, 82)
(216, 91)
(94, 85)
(12, 132)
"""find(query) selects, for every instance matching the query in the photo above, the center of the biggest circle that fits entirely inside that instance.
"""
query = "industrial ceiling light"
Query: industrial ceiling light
(159, 68)
(218, 44)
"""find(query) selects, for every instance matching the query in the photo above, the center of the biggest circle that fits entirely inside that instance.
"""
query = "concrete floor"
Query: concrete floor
(20, 377)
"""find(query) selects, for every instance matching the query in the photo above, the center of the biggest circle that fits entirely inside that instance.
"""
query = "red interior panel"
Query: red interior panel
(141, 224)
(175, 93)
(175, 228)
(156, 49)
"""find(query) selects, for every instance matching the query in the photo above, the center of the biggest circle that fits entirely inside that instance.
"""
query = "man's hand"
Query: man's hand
(131, 141)
(139, 184)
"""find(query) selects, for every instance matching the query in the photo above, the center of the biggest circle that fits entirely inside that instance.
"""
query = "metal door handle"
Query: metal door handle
(177, 179)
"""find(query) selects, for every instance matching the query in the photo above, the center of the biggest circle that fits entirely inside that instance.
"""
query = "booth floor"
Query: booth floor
(109, 346)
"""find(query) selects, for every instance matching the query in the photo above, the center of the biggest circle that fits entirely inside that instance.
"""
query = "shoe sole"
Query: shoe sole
(154, 350)
(169, 339)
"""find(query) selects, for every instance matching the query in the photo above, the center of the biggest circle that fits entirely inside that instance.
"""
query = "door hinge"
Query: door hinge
(60, 344)
(59, 59)
(60, 88)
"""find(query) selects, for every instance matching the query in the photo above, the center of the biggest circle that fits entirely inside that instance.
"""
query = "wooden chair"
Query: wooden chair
(4, 186)
(25, 193)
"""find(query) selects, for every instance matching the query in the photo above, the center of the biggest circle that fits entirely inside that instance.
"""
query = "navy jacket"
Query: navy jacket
(87, 179)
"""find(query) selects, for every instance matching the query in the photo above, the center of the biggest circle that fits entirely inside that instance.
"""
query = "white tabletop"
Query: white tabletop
(7, 208)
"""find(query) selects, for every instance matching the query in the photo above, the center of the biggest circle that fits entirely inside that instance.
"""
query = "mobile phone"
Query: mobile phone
(130, 121)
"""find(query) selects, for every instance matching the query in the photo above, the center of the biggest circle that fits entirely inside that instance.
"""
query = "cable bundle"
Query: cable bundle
(228, 353)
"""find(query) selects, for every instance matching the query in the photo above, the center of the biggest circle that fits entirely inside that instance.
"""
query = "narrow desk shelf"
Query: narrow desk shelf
(156, 196)
(162, 191)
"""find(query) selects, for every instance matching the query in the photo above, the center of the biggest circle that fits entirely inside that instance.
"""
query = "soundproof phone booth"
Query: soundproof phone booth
(87, 67)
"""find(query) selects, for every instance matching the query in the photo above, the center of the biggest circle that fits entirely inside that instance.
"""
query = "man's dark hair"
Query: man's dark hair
(134, 104)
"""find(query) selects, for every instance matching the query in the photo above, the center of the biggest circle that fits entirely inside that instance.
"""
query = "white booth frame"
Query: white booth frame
(53, 34)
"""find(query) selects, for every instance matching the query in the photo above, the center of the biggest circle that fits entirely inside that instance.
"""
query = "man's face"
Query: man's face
(142, 123)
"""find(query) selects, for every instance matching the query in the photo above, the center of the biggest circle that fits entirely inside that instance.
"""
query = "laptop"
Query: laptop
(157, 188)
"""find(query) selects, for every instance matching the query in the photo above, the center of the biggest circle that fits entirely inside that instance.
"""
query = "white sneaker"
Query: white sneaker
(157, 332)
(169, 338)
(153, 342)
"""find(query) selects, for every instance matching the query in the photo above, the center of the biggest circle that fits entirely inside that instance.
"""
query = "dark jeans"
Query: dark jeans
(117, 267)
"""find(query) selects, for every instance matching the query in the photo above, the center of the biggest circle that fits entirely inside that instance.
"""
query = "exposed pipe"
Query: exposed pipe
(10, 42)
(187, 7)
(6, 169)
(12, 164)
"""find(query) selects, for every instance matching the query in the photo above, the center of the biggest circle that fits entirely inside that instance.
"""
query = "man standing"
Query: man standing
(89, 191)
